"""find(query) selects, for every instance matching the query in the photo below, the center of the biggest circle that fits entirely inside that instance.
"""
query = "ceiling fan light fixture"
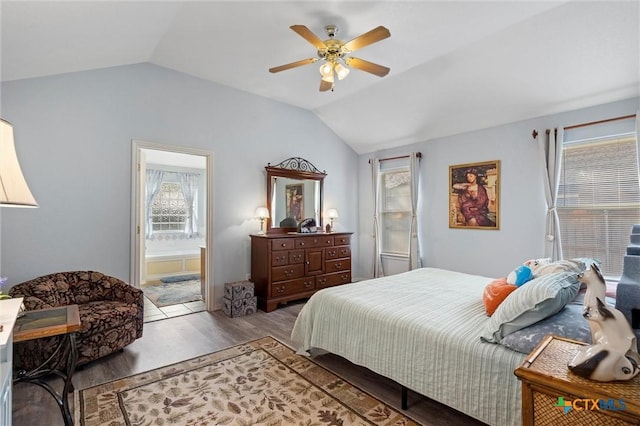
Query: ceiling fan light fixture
(326, 70)
(335, 54)
(341, 71)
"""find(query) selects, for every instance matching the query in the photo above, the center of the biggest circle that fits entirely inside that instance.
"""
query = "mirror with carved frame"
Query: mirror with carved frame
(294, 193)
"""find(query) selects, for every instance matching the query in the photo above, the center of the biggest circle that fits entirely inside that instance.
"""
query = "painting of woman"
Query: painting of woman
(474, 204)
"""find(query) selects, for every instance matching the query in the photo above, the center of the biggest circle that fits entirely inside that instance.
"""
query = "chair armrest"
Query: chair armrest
(30, 302)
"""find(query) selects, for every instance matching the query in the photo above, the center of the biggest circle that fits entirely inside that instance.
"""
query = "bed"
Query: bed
(423, 329)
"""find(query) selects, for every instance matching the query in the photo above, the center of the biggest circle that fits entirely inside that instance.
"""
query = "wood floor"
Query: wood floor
(176, 339)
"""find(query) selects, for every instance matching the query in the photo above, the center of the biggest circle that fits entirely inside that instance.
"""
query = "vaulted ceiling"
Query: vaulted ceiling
(456, 66)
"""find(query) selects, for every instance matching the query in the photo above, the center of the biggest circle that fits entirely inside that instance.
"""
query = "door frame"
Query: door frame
(137, 221)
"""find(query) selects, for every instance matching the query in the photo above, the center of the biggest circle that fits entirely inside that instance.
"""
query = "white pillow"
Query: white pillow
(536, 300)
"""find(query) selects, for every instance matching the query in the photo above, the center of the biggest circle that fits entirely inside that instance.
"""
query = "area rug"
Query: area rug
(262, 382)
(165, 294)
(180, 278)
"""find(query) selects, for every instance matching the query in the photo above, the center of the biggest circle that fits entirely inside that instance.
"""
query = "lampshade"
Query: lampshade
(332, 213)
(341, 71)
(326, 69)
(14, 191)
(262, 213)
(328, 78)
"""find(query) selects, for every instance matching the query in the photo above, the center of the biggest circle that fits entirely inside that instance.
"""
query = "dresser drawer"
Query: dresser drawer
(282, 244)
(330, 280)
(286, 288)
(337, 252)
(342, 240)
(296, 256)
(280, 258)
(311, 242)
(289, 272)
(338, 265)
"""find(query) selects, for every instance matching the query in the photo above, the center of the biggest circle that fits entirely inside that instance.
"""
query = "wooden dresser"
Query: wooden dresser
(552, 395)
(287, 267)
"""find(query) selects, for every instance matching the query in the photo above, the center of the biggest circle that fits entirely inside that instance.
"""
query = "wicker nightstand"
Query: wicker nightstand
(552, 395)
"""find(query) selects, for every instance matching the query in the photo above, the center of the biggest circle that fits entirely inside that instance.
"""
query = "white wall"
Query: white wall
(522, 203)
(73, 135)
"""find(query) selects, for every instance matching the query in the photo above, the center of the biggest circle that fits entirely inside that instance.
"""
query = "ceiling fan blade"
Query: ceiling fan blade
(373, 36)
(309, 36)
(325, 85)
(293, 65)
(367, 66)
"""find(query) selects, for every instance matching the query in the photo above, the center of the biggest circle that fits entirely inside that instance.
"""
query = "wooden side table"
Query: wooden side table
(552, 395)
(60, 321)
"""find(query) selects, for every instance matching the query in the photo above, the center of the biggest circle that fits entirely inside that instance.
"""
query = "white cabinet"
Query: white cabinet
(9, 309)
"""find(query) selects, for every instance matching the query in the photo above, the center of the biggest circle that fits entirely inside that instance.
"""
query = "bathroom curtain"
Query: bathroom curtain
(375, 181)
(151, 188)
(414, 245)
(551, 161)
(189, 183)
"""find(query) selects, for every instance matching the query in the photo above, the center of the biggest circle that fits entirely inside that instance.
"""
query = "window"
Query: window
(395, 210)
(169, 210)
(599, 197)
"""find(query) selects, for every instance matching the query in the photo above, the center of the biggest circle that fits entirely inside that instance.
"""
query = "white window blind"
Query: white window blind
(599, 194)
(395, 208)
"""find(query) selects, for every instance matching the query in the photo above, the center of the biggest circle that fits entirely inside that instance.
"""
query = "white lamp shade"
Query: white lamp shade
(326, 69)
(332, 213)
(14, 191)
(262, 213)
(341, 71)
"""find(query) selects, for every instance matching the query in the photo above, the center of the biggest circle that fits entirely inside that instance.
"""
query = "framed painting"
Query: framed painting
(294, 200)
(474, 195)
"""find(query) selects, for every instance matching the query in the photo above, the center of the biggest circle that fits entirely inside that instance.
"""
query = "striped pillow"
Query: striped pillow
(538, 299)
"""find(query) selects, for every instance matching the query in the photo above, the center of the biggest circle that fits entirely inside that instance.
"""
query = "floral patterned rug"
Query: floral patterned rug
(262, 382)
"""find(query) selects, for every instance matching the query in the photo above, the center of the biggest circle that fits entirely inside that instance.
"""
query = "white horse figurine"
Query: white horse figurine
(613, 354)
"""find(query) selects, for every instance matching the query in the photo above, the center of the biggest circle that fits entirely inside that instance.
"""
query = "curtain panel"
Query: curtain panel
(550, 148)
(377, 244)
(414, 243)
(152, 187)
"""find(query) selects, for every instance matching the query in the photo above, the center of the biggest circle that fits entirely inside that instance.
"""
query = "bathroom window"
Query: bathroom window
(169, 211)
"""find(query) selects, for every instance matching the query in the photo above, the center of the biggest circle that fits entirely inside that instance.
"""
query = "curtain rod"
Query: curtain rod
(418, 154)
(534, 134)
(624, 117)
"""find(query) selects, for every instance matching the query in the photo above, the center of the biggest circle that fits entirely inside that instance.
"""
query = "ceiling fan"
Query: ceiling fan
(335, 53)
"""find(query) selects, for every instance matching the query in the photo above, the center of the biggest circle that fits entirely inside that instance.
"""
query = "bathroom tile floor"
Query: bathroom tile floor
(153, 313)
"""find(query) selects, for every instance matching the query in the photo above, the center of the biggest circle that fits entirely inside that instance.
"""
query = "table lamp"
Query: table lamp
(332, 214)
(262, 213)
(14, 191)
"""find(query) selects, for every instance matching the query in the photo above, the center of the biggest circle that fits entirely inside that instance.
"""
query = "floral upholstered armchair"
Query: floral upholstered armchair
(111, 314)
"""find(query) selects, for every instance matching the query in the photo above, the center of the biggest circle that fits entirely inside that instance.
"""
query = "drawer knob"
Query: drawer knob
(338, 265)
(301, 244)
(307, 285)
(280, 289)
(284, 244)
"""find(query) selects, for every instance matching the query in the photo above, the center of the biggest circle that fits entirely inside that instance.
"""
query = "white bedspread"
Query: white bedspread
(422, 329)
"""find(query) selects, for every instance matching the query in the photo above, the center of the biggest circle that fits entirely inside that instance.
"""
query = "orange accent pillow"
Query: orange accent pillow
(495, 293)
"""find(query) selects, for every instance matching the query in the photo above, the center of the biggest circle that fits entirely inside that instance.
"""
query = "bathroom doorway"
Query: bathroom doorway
(171, 217)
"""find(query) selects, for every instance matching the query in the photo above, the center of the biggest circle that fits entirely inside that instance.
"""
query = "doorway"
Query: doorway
(172, 207)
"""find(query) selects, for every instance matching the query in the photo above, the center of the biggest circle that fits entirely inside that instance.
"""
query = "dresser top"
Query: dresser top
(300, 234)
